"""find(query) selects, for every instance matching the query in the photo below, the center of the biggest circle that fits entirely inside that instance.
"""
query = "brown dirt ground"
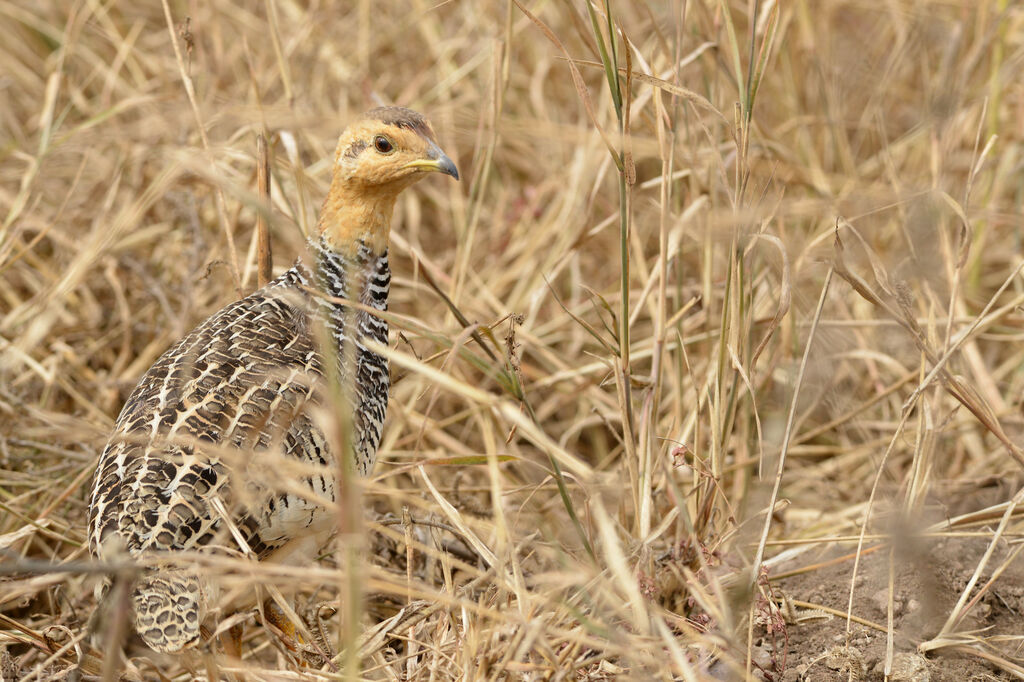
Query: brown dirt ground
(930, 575)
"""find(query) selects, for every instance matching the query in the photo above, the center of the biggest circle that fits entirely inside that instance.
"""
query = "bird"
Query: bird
(251, 384)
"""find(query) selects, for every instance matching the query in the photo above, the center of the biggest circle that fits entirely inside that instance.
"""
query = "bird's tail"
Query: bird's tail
(168, 609)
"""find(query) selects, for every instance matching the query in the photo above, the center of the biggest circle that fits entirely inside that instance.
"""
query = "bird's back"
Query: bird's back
(193, 449)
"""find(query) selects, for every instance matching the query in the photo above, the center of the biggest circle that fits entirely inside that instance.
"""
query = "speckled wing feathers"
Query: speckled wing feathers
(247, 381)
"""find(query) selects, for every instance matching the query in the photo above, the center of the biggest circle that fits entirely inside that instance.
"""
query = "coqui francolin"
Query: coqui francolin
(251, 383)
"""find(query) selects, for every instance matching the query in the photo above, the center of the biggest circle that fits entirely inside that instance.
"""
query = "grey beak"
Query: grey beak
(446, 165)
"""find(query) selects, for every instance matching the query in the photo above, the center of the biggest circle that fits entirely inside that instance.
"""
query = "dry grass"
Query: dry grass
(823, 308)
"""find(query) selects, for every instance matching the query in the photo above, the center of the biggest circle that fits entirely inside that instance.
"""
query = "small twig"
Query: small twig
(264, 256)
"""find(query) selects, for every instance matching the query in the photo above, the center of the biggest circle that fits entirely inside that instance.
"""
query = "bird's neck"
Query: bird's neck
(356, 215)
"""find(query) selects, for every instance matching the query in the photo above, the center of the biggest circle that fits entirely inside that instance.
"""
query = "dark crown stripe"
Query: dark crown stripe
(402, 118)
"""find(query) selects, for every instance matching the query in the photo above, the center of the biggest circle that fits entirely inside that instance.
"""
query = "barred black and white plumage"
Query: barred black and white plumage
(248, 387)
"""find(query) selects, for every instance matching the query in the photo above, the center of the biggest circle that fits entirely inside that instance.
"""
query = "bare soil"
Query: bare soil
(928, 576)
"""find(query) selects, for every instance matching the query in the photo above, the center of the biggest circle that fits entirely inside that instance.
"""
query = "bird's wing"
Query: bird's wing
(240, 383)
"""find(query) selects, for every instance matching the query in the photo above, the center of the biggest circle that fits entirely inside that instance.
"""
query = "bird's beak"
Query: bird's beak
(436, 160)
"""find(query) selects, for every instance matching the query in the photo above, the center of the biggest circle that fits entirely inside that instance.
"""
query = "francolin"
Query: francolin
(252, 383)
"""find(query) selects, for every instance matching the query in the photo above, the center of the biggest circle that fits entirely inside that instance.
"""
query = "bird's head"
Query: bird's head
(378, 156)
(387, 150)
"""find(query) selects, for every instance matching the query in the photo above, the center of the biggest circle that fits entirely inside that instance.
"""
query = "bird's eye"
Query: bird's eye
(383, 145)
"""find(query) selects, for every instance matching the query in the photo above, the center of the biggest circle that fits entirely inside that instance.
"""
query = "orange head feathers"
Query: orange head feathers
(378, 156)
